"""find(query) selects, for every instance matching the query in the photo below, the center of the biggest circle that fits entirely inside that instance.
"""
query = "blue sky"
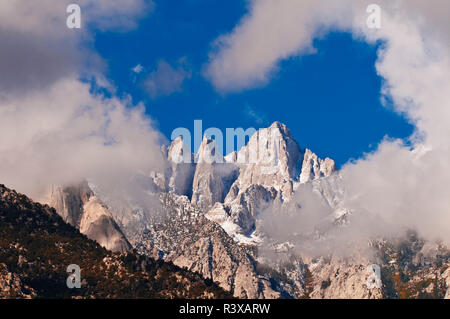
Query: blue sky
(330, 99)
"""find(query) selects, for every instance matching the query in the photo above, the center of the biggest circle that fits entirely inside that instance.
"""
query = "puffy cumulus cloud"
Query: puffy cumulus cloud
(65, 134)
(399, 185)
(271, 31)
(167, 79)
(415, 67)
(430, 16)
(402, 188)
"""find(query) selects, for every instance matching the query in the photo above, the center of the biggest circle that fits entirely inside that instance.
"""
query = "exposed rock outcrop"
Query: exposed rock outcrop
(213, 177)
(182, 235)
(271, 166)
(37, 246)
(314, 167)
(181, 168)
(342, 279)
(80, 207)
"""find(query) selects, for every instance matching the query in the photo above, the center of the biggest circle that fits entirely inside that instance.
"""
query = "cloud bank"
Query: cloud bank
(54, 127)
(66, 133)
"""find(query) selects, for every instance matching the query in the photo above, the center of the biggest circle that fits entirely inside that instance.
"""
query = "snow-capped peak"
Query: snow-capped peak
(179, 152)
(314, 167)
(208, 152)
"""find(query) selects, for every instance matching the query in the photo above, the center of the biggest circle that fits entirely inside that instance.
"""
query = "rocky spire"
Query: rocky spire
(314, 167)
(271, 157)
(212, 177)
(271, 165)
(80, 207)
(181, 167)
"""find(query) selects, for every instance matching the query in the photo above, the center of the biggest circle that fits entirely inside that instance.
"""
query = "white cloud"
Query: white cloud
(257, 116)
(65, 134)
(274, 30)
(406, 185)
(167, 79)
(138, 69)
(271, 31)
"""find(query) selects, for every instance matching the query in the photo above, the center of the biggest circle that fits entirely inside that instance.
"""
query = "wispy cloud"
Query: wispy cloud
(255, 115)
(138, 69)
(167, 79)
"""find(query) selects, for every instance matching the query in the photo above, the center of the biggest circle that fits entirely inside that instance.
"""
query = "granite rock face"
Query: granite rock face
(181, 168)
(185, 237)
(314, 167)
(81, 208)
(271, 167)
(213, 176)
(342, 279)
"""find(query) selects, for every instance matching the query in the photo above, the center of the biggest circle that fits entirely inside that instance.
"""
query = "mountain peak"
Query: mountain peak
(273, 149)
(78, 205)
(280, 126)
(179, 152)
(313, 167)
(208, 152)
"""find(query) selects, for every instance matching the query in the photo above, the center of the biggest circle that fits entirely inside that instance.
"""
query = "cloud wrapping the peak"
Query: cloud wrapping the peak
(397, 185)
